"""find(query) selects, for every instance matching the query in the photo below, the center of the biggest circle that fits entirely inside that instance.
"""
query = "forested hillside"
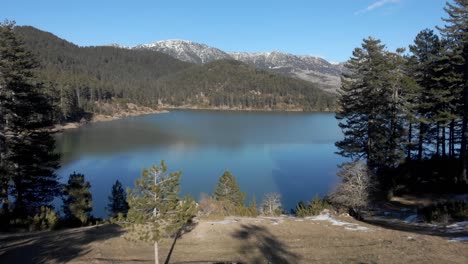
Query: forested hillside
(81, 77)
(234, 84)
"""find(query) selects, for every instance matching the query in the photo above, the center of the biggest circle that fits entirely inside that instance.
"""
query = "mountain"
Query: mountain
(186, 50)
(231, 84)
(81, 79)
(312, 69)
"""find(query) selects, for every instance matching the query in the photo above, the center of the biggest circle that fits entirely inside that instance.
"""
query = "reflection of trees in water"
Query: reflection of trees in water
(301, 177)
(115, 137)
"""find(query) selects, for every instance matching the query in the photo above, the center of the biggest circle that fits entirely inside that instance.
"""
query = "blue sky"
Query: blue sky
(326, 28)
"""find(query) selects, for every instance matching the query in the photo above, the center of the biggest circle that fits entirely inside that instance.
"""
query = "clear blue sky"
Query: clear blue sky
(326, 28)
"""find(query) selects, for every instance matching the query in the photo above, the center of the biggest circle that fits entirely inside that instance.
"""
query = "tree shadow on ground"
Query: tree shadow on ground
(422, 229)
(259, 245)
(57, 246)
(185, 229)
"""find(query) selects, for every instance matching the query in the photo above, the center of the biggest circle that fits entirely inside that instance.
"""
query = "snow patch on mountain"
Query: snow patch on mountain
(310, 68)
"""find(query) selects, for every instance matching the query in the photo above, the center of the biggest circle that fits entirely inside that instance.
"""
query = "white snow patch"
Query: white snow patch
(459, 239)
(335, 222)
(223, 222)
(357, 228)
(458, 224)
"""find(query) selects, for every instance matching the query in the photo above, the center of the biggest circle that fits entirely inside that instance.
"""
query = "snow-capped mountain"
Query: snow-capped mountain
(186, 50)
(309, 68)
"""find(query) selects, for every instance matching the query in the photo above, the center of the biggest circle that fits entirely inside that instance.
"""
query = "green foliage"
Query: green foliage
(228, 194)
(156, 210)
(445, 212)
(371, 106)
(46, 219)
(77, 199)
(314, 207)
(80, 76)
(253, 210)
(27, 158)
(117, 201)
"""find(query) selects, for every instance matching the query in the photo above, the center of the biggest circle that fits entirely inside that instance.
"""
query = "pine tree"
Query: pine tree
(228, 193)
(455, 31)
(156, 211)
(27, 158)
(77, 199)
(370, 106)
(117, 201)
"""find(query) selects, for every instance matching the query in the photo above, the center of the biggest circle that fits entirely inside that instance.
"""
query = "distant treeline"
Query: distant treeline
(78, 77)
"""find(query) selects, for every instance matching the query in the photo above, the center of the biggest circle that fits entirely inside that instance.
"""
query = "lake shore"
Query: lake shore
(245, 109)
(134, 110)
(139, 111)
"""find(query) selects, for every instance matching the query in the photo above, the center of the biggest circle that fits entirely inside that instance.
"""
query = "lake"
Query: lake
(289, 153)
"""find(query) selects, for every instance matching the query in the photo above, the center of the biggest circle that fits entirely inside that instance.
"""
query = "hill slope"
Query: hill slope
(235, 85)
(81, 76)
(319, 71)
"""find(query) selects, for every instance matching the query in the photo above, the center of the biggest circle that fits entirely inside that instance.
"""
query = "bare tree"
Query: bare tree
(354, 190)
(271, 204)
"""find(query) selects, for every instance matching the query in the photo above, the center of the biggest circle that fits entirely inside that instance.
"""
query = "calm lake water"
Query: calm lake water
(289, 153)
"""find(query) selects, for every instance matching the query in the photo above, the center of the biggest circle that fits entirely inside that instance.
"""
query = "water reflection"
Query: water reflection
(290, 153)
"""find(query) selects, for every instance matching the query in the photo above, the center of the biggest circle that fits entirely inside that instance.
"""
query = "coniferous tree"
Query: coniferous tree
(156, 211)
(117, 201)
(77, 200)
(27, 158)
(455, 32)
(371, 106)
(228, 192)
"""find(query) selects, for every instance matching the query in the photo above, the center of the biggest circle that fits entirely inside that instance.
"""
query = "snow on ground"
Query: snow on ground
(335, 222)
(223, 222)
(458, 224)
(459, 239)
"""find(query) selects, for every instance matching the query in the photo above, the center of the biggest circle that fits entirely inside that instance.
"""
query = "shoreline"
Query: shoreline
(249, 109)
(97, 118)
(165, 109)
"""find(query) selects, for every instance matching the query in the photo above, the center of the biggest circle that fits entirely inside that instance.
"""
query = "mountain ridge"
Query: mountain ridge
(317, 70)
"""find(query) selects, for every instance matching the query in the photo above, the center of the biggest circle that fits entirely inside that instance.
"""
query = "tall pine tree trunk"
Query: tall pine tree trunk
(463, 156)
(451, 139)
(437, 139)
(421, 138)
(410, 137)
(444, 151)
(156, 253)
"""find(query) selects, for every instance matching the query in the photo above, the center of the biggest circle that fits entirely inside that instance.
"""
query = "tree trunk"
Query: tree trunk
(444, 153)
(463, 156)
(410, 136)
(437, 139)
(156, 253)
(420, 143)
(451, 139)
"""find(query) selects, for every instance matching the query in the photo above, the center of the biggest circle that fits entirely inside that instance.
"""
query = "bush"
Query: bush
(46, 219)
(355, 189)
(314, 207)
(271, 204)
(209, 206)
(445, 212)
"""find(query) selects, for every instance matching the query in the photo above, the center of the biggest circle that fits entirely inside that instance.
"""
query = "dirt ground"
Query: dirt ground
(242, 240)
